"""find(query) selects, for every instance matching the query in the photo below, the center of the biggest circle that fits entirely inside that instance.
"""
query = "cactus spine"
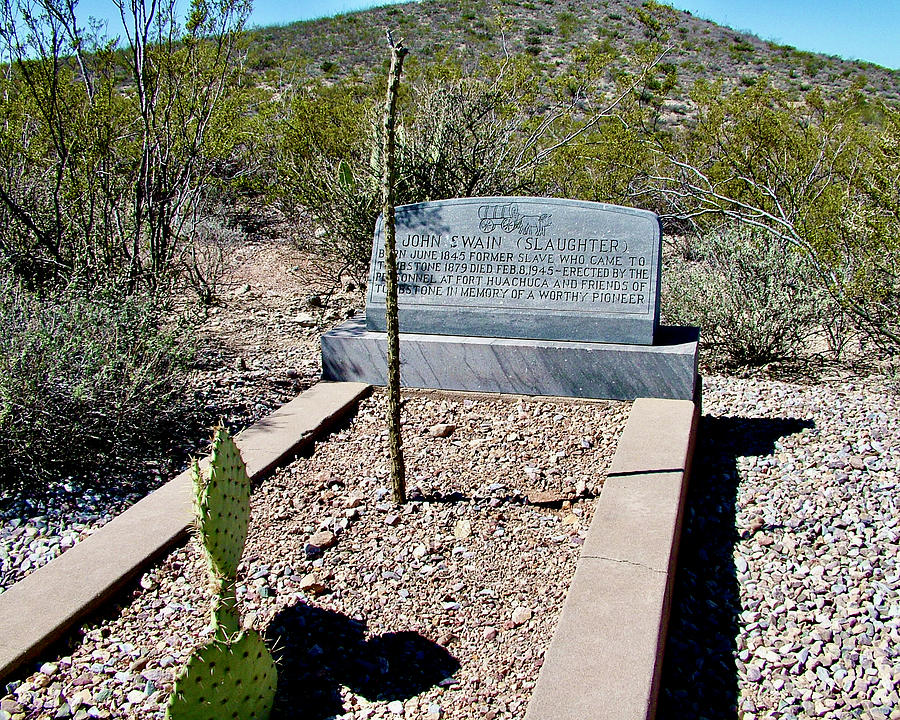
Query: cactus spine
(234, 675)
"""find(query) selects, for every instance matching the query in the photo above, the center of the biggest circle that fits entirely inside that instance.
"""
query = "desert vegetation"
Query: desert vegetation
(775, 173)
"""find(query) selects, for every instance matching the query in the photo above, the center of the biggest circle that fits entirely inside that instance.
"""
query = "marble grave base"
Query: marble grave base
(666, 369)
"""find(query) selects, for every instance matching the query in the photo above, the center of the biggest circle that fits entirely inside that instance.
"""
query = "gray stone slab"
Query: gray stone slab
(605, 659)
(525, 367)
(522, 267)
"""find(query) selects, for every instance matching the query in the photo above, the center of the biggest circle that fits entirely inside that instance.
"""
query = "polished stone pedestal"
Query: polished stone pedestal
(666, 369)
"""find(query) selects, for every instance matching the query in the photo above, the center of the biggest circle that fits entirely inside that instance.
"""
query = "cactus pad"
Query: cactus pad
(226, 680)
(223, 505)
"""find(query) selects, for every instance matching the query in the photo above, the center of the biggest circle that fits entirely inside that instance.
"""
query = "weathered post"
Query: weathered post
(398, 471)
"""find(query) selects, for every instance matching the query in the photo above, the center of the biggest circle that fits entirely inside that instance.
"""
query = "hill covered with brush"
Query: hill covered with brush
(352, 45)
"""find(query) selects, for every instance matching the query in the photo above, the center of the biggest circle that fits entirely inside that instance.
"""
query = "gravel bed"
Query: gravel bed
(34, 531)
(787, 600)
(442, 608)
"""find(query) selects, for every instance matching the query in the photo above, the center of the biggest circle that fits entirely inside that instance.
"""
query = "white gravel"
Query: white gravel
(788, 594)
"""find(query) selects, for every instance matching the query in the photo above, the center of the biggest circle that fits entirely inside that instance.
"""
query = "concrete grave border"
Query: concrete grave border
(39, 609)
(605, 659)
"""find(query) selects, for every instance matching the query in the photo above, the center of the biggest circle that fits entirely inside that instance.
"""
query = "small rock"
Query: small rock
(462, 529)
(391, 519)
(304, 319)
(489, 633)
(148, 583)
(322, 540)
(11, 706)
(442, 430)
(521, 615)
(311, 585)
(395, 707)
(754, 674)
(543, 497)
(49, 669)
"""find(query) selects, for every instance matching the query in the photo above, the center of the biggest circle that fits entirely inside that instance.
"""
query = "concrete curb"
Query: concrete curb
(605, 659)
(41, 608)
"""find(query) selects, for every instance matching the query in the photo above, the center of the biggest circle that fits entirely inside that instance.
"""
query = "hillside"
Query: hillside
(463, 31)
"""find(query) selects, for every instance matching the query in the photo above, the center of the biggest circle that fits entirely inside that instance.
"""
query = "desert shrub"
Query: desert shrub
(88, 385)
(455, 140)
(755, 299)
(567, 23)
(106, 152)
(815, 175)
(205, 257)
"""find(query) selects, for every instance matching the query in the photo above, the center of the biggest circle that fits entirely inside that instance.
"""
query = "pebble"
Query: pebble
(462, 529)
(521, 615)
(442, 430)
(309, 583)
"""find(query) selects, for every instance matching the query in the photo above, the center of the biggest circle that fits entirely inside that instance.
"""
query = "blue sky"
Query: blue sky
(854, 29)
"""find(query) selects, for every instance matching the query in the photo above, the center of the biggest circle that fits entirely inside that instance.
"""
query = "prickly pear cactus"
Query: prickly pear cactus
(222, 503)
(226, 680)
(233, 676)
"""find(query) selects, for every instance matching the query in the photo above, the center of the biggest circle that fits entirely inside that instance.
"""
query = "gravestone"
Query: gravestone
(521, 295)
(533, 268)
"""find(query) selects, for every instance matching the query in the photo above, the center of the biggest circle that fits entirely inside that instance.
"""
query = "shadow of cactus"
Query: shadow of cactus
(319, 650)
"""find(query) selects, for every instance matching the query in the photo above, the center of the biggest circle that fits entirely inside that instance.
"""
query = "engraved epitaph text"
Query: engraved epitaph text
(523, 268)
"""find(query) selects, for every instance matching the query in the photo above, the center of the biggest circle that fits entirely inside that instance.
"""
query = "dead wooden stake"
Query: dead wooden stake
(398, 470)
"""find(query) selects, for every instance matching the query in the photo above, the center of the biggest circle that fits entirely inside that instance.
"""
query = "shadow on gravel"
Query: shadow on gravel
(317, 651)
(699, 679)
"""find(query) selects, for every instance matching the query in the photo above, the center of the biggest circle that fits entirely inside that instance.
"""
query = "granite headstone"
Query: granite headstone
(521, 295)
(522, 267)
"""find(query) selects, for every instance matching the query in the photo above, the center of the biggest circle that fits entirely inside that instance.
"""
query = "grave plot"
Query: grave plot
(447, 602)
(445, 607)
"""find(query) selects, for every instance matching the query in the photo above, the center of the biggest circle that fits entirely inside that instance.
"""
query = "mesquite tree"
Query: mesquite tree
(398, 471)
(107, 145)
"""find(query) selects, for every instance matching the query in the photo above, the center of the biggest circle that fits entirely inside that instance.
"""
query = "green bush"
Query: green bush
(755, 299)
(88, 385)
(457, 138)
(107, 154)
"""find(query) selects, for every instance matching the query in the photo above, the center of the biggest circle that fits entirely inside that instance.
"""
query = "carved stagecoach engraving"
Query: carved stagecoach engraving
(507, 217)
